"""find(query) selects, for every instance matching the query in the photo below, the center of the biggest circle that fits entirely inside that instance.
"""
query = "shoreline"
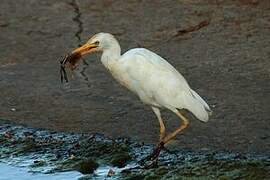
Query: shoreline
(93, 155)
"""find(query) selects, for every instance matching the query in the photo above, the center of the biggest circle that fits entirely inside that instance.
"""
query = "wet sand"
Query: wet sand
(226, 62)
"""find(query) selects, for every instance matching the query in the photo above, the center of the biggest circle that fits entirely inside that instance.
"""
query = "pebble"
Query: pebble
(13, 109)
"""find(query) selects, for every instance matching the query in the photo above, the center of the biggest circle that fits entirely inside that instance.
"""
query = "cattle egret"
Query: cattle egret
(156, 82)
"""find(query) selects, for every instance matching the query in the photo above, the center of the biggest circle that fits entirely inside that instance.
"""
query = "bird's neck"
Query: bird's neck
(110, 56)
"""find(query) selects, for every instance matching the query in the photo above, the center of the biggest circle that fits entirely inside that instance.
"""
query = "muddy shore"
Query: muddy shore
(93, 156)
(226, 62)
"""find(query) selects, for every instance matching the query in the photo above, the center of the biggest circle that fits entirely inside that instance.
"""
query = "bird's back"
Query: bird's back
(148, 57)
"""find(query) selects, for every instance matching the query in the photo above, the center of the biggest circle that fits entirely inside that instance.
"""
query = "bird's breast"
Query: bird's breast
(120, 75)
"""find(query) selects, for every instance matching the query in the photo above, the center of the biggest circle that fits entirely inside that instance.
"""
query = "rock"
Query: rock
(68, 164)
(134, 177)
(86, 166)
(8, 135)
(110, 173)
(86, 177)
(38, 163)
(162, 171)
(152, 177)
(13, 109)
(120, 159)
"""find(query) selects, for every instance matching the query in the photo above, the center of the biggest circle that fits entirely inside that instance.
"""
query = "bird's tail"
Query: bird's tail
(195, 104)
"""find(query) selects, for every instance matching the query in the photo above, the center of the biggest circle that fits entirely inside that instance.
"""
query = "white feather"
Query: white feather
(195, 104)
(152, 78)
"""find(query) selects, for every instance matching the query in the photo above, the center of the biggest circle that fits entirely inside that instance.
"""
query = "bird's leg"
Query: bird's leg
(154, 155)
(162, 126)
(183, 126)
(165, 139)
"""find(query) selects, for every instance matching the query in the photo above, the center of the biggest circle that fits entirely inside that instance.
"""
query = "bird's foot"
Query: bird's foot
(153, 157)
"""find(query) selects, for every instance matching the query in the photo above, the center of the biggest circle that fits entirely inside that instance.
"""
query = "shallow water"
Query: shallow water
(102, 171)
(21, 171)
(9, 172)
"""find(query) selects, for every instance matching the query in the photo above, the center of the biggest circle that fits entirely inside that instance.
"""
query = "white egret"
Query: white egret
(156, 82)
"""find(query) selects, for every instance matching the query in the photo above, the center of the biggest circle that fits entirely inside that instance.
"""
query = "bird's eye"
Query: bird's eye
(96, 43)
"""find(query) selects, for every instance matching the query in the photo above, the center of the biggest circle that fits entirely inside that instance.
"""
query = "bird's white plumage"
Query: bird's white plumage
(151, 77)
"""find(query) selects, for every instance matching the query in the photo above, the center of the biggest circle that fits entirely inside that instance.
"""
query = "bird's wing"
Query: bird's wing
(153, 76)
(147, 60)
(149, 75)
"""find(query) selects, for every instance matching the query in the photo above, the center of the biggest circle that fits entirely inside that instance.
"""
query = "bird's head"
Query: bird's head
(98, 42)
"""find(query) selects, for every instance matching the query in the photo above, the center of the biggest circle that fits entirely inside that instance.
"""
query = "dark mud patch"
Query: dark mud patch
(94, 155)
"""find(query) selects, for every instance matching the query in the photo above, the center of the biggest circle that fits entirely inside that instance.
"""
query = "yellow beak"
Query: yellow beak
(85, 49)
